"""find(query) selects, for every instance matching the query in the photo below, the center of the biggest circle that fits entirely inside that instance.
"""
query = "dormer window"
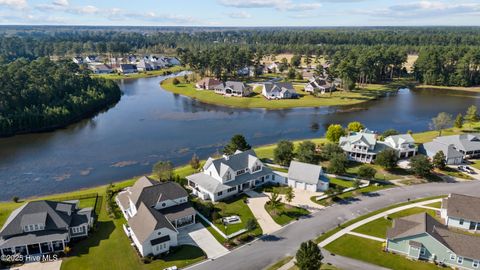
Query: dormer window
(257, 167)
(242, 171)
(228, 176)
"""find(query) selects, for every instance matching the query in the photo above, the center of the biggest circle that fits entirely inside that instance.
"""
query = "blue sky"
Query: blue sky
(241, 12)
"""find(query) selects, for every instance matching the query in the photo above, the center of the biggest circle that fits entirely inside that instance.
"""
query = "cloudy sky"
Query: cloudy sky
(241, 12)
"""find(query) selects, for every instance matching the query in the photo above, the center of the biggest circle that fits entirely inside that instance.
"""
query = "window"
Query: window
(475, 264)
(460, 260)
(228, 176)
(232, 189)
(30, 227)
(36, 227)
(268, 176)
(422, 251)
(164, 204)
(461, 221)
(452, 257)
(159, 233)
(220, 193)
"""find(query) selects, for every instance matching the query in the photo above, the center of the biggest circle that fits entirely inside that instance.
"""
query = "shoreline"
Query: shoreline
(474, 89)
(142, 75)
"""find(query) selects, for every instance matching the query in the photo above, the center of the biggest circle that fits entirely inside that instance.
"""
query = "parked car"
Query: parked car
(171, 268)
(466, 169)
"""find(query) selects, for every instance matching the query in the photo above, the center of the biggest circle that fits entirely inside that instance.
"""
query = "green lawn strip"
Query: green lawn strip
(450, 88)
(266, 151)
(350, 194)
(381, 174)
(270, 188)
(284, 214)
(147, 74)
(341, 182)
(355, 220)
(214, 232)
(371, 251)
(379, 227)
(280, 263)
(435, 205)
(258, 101)
(324, 266)
(455, 173)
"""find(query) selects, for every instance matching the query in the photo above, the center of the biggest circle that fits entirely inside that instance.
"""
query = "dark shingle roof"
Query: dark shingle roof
(462, 206)
(146, 221)
(158, 192)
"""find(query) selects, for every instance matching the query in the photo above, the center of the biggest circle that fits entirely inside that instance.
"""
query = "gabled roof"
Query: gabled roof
(280, 87)
(305, 173)
(433, 147)
(236, 86)
(401, 139)
(366, 138)
(150, 192)
(54, 215)
(147, 220)
(462, 206)
(465, 142)
(461, 244)
(237, 161)
(128, 66)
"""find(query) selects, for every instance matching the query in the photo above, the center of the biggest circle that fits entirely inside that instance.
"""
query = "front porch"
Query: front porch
(35, 248)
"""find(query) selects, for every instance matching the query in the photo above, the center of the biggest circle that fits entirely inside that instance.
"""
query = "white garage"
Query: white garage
(306, 176)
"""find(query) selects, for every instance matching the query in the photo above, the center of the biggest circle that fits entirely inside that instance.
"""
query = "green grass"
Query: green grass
(355, 220)
(280, 263)
(258, 101)
(341, 182)
(270, 188)
(147, 74)
(350, 195)
(266, 151)
(381, 175)
(284, 214)
(455, 173)
(371, 251)
(435, 205)
(212, 231)
(379, 227)
(233, 206)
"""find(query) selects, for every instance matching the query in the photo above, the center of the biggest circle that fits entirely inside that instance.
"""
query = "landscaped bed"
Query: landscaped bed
(283, 213)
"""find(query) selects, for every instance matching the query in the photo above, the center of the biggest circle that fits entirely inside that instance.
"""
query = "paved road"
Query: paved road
(271, 248)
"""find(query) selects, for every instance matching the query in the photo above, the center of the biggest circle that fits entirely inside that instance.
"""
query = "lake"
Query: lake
(150, 124)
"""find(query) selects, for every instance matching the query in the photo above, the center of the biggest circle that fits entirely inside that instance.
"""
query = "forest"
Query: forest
(42, 94)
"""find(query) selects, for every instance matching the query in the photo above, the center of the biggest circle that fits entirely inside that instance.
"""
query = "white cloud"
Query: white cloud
(62, 3)
(422, 9)
(239, 15)
(282, 5)
(16, 4)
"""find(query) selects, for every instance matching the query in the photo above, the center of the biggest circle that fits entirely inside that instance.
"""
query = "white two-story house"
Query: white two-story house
(224, 177)
(154, 211)
(279, 90)
(404, 144)
(461, 212)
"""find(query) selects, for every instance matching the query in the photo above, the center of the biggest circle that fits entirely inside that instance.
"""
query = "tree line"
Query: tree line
(42, 94)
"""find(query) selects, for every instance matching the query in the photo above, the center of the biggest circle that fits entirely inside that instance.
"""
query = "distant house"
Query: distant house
(456, 148)
(283, 90)
(132, 59)
(154, 211)
(91, 59)
(422, 237)
(461, 212)
(232, 88)
(225, 177)
(78, 60)
(273, 67)
(319, 85)
(363, 146)
(128, 68)
(404, 144)
(144, 66)
(101, 69)
(207, 84)
(307, 177)
(42, 227)
(174, 61)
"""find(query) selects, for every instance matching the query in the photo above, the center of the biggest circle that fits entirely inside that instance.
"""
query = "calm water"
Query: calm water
(150, 124)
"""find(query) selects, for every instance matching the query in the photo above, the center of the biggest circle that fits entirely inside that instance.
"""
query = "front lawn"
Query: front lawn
(284, 213)
(271, 188)
(455, 173)
(341, 182)
(235, 206)
(347, 196)
(381, 175)
(379, 227)
(371, 251)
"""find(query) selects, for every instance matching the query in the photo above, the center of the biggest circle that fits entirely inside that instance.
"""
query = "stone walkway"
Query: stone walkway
(256, 203)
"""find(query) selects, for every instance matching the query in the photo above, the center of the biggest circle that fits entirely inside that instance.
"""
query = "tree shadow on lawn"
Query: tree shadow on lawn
(183, 253)
(102, 232)
(346, 201)
(371, 194)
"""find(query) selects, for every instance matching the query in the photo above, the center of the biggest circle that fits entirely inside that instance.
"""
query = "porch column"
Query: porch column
(193, 218)
(40, 246)
(63, 242)
(26, 248)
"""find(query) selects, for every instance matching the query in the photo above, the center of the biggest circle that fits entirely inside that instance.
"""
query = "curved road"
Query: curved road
(271, 248)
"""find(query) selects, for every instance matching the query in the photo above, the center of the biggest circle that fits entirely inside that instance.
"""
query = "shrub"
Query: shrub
(175, 81)
(366, 172)
(15, 199)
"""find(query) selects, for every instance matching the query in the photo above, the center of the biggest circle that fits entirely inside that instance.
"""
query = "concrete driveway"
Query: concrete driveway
(198, 235)
(302, 199)
(39, 266)
(256, 203)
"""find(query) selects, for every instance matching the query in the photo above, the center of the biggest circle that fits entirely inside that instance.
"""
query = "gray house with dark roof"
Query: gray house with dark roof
(42, 227)
(422, 237)
(233, 88)
(461, 212)
(227, 176)
(456, 148)
(154, 211)
(279, 90)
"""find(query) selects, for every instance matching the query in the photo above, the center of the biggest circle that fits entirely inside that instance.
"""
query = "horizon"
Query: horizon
(245, 13)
